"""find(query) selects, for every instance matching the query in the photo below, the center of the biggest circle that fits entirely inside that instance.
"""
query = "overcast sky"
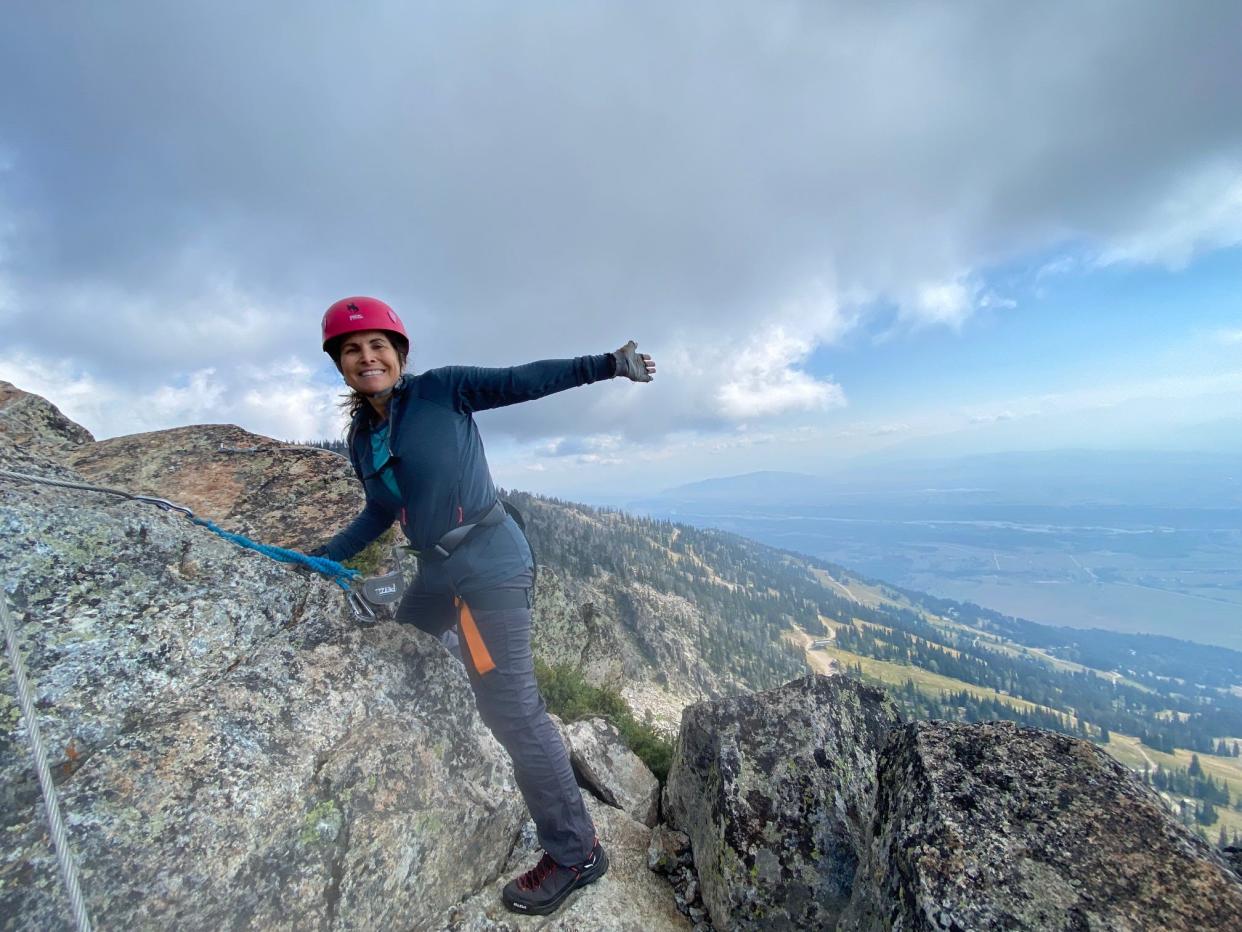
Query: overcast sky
(840, 228)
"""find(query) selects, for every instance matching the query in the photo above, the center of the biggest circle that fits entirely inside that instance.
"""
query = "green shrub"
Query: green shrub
(373, 560)
(570, 696)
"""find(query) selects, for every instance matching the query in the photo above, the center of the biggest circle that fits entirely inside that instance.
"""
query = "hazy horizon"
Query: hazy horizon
(1146, 543)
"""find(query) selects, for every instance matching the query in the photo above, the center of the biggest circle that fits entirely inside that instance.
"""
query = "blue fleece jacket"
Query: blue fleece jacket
(436, 459)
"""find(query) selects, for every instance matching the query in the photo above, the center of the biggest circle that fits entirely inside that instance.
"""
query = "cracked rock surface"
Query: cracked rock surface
(614, 773)
(774, 790)
(285, 495)
(231, 751)
(1000, 826)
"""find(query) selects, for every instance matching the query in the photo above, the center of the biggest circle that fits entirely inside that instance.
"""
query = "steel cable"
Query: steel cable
(60, 840)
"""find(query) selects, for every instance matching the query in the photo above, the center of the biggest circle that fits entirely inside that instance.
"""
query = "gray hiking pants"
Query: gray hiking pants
(493, 628)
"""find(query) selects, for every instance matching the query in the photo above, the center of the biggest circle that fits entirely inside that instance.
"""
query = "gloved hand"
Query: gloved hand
(320, 551)
(635, 366)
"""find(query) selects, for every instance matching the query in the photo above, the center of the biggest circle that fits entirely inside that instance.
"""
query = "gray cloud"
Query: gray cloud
(188, 185)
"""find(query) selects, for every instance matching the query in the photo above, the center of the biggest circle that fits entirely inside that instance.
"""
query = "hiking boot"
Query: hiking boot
(542, 889)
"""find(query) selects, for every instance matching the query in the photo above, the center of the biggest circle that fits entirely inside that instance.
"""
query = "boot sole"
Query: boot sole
(584, 879)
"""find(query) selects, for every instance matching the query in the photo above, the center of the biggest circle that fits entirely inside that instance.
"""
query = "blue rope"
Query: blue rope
(339, 574)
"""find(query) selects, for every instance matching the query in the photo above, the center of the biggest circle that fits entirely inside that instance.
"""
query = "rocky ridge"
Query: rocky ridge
(285, 495)
(35, 427)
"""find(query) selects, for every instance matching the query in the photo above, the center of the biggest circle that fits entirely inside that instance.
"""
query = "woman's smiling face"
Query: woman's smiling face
(370, 362)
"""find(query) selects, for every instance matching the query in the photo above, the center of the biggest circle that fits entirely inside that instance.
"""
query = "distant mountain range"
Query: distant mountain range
(1141, 542)
(1062, 478)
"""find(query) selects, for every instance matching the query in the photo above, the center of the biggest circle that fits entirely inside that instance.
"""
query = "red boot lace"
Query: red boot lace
(534, 877)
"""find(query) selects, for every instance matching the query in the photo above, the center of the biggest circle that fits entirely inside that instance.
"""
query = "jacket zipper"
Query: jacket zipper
(392, 429)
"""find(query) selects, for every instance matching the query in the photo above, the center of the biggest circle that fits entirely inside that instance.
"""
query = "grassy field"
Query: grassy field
(1133, 754)
(896, 674)
(874, 596)
(861, 592)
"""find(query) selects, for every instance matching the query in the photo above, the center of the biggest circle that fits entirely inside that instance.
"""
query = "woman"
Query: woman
(415, 447)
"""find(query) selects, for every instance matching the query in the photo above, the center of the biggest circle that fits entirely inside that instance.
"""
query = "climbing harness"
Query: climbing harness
(60, 841)
(455, 537)
(362, 595)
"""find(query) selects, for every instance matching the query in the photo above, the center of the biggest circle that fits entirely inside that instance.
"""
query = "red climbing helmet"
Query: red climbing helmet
(349, 315)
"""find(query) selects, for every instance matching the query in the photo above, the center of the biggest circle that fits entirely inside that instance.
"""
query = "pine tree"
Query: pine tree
(1205, 813)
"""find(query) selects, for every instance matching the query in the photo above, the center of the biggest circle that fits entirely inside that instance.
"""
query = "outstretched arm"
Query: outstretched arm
(472, 388)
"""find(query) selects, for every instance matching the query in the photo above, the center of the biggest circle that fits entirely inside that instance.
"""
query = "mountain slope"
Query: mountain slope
(748, 605)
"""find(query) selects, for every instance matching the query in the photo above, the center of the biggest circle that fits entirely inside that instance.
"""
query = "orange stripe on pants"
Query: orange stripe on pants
(479, 655)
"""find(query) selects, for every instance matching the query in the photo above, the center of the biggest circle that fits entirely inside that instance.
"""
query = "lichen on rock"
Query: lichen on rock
(1000, 826)
(773, 790)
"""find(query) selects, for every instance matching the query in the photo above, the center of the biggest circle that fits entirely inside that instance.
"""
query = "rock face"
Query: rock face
(231, 751)
(33, 431)
(809, 806)
(998, 826)
(775, 791)
(280, 494)
(614, 773)
(34, 435)
(1233, 857)
(568, 630)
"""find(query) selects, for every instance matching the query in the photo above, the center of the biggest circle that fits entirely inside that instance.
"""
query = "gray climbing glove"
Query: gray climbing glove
(633, 365)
